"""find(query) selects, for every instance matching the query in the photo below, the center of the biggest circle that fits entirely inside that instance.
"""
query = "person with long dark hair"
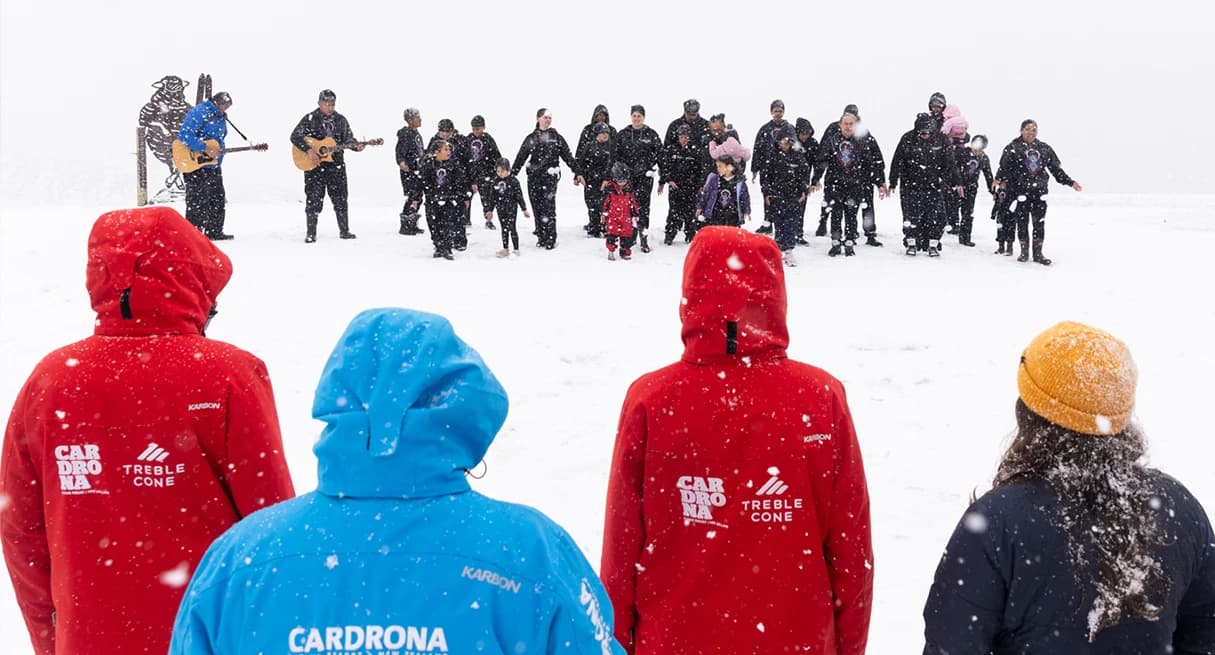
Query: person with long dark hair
(543, 151)
(1079, 547)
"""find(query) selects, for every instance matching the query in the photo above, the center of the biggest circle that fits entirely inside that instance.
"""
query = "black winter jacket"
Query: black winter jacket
(638, 149)
(319, 126)
(1004, 584)
(923, 164)
(1023, 167)
(543, 151)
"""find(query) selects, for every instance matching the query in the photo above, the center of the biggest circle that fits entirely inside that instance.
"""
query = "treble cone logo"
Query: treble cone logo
(153, 453)
(773, 487)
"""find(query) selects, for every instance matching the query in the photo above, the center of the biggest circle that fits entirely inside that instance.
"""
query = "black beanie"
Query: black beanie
(776, 103)
(936, 100)
(852, 109)
(446, 125)
(326, 96)
(478, 121)
(804, 125)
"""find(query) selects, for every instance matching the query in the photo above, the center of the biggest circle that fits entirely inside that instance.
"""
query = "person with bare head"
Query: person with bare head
(1023, 176)
(853, 165)
(543, 151)
(410, 151)
(765, 145)
(326, 176)
(1079, 547)
(638, 146)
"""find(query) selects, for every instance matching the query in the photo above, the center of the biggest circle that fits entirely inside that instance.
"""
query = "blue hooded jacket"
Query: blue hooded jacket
(203, 122)
(394, 553)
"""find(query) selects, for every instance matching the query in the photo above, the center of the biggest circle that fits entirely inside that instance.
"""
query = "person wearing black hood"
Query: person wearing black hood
(809, 147)
(482, 156)
(787, 178)
(447, 198)
(638, 146)
(972, 160)
(936, 109)
(595, 162)
(410, 152)
(719, 131)
(681, 171)
(868, 215)
(924, 162)
(853, 165)
(543, 151)
(600, 115)
(459, 154)
(698, 127)
(1023, 174)
(765, 145)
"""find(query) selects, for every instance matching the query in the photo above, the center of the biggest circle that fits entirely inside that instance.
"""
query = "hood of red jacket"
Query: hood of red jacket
(151, 272)
(733, 297)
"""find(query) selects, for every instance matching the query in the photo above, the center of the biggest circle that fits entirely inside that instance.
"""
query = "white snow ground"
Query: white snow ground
(927, 349)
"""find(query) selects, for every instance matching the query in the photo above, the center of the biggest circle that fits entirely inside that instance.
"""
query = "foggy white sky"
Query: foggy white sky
(1121, 90)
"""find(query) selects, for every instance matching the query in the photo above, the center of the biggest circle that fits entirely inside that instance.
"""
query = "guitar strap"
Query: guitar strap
(242, 134)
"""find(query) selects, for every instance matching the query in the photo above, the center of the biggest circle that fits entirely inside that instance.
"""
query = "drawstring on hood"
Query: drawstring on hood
(733, 297)
(410, 408)
(150, 271)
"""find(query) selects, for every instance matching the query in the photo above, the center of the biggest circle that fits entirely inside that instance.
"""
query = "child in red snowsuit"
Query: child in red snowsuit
(619, 213)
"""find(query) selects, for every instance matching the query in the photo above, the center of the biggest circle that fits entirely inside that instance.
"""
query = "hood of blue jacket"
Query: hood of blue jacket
(409, 407)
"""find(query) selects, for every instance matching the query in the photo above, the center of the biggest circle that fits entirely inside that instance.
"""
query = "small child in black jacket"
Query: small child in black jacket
(508, 199)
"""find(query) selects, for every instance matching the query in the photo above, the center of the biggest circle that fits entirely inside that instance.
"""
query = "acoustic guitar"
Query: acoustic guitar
(324, 148)
(188, 161)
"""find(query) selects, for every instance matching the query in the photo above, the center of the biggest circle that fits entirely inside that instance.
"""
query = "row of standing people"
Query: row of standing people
(938, 164)
(737, 517)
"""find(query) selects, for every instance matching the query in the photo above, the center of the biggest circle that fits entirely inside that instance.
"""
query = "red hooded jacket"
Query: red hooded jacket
(619, 208)
(127, 453)
(737, 512)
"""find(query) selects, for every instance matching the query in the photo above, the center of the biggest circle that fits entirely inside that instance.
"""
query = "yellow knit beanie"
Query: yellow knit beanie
(1080, 378)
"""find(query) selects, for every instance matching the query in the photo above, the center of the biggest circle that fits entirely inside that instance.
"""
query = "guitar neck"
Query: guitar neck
(242, 149)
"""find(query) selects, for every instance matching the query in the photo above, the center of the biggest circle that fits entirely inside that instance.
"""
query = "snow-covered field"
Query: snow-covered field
(927, 348)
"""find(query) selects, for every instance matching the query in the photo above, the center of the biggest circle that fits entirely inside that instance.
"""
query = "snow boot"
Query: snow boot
(626, 253)
(611, 255)
(645, 243)
(1024, 256)
(849, 251)
(933, 252)
(872, 241)
(1000, 247)
(766, 228)
(787, 258)
(835, 251)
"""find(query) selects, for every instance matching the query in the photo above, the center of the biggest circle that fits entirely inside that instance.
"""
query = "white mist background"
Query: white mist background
(927, 350)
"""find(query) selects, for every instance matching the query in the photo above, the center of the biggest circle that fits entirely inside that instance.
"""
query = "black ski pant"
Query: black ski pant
(801, 217)
(951, 206)
(487, 198)
(782, 212)
(681, 211)
(509, 222)
(206, 199)
(868, 216)
(1005, 227)
(842, 206)
(1031, 209)
(592, 195)
(327, 178)
(643, 189)
(444, 217)
(923, 217)
(542, 193)
(966, 211)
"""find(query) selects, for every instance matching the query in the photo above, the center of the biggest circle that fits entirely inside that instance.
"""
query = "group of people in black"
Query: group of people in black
(701, 162)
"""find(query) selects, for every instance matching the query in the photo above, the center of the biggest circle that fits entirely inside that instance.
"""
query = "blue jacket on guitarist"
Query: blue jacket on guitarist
(205, 195)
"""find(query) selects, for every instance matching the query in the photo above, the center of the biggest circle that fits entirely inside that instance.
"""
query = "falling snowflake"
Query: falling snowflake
(71, 362)
(734, 263)
(975, 522)
(331, 562)
(759, 626)
(176, 577)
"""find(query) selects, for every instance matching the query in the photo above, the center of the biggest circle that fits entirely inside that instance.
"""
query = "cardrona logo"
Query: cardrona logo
(362, 639)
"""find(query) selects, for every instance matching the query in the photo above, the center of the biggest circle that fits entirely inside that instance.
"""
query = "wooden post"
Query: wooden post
(141, 167)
